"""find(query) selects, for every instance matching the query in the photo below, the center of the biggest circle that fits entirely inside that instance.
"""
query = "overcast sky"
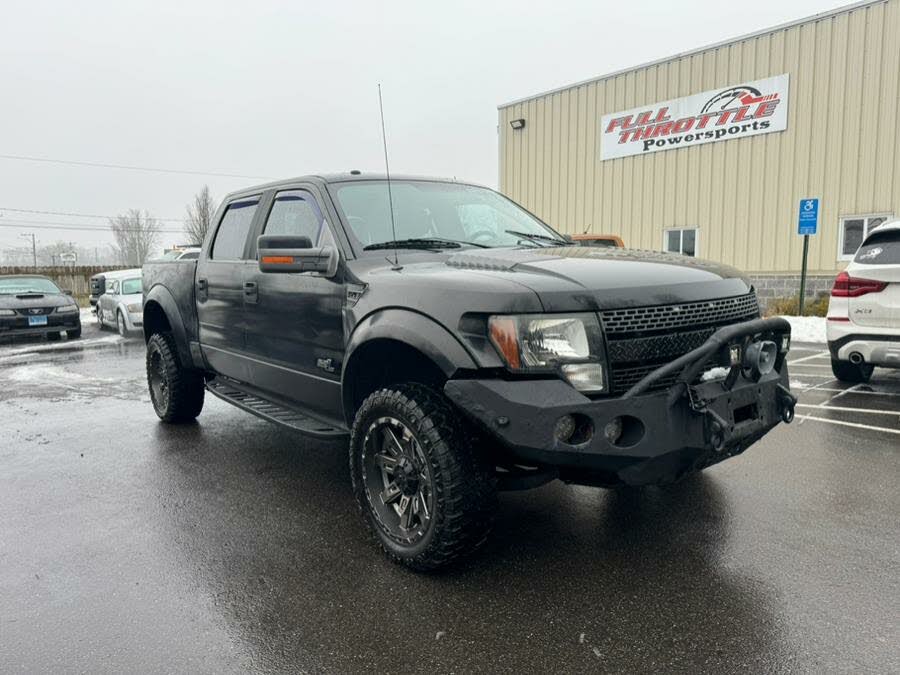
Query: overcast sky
(277, 89)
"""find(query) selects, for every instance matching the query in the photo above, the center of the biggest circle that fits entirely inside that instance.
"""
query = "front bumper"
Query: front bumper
(665, 434)
(17, 326)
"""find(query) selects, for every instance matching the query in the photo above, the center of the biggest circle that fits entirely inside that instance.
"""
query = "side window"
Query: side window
(853, 230)
(112, 288)
(234, 229)
(295, 212)
(682, 241)
(193, 255)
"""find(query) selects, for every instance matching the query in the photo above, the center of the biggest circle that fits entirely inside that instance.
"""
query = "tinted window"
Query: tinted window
(854, 231)
(881, 248)
(233, 230)
(295, 213)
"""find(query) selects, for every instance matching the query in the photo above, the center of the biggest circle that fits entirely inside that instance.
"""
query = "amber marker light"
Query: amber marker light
(504, 332)
(278, 259)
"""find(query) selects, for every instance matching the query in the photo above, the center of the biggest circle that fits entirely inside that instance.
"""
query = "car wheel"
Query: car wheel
(120, 324)
(100, 320)
(176, 392)
(852, 372)
(53, 337)
(423, 489)
(74, 334)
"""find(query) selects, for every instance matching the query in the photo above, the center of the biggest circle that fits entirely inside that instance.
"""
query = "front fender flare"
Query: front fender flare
(416, 330)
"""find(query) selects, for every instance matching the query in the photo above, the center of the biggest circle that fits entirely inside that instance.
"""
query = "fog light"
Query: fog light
(565, 427)
(734, 355)
(760, 357)
(785, 343)
(584, 376)
(613, 430)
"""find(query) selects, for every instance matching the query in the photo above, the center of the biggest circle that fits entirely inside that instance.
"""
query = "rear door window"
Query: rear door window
(231, 237)
(295, 212)
(881, 248)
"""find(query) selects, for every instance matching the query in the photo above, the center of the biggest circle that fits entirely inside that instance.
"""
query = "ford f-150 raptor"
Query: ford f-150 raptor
(462, 346)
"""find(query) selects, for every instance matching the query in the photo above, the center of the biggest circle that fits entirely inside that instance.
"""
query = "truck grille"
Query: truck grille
(641, 339)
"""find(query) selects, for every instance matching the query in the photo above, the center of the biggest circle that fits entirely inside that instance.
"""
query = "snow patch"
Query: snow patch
(807, 328)
(797, 384)
(719, 373)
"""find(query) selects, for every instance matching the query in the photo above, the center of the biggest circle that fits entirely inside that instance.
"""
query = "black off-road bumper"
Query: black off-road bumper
(664, 434)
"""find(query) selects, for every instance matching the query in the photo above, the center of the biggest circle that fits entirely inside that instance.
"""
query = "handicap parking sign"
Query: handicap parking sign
(809, 216)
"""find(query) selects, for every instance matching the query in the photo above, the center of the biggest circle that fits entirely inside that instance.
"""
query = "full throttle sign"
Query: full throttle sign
(742, 110)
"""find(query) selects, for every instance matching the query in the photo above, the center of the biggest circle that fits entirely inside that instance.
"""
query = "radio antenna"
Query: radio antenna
(387, 172)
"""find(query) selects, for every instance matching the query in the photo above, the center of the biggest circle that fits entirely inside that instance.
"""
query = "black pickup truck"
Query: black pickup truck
(463, 346)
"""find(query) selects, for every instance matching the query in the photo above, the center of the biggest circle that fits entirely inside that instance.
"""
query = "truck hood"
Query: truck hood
(574, 278)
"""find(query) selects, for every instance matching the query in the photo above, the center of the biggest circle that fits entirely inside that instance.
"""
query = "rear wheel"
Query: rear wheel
(176, 391)
(423, 489)
(851, 372)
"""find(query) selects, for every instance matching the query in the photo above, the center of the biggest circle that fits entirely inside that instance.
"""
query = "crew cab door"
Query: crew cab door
(294, 321)
(219, 289)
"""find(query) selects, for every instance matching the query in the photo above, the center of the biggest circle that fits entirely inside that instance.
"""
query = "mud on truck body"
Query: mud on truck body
(460, 346)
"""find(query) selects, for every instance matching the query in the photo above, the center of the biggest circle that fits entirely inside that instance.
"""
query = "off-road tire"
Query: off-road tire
(855, 373)
(463, 482)
(74, 334)
(180, 398)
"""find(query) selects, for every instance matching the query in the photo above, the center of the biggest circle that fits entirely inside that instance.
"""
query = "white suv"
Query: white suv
(863, 325)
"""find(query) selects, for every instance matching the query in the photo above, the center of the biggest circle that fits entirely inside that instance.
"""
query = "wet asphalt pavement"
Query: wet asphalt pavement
(233, 545)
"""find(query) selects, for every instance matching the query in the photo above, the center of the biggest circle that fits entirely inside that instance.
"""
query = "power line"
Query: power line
(76, 215)
(103, 165)
(44, 225)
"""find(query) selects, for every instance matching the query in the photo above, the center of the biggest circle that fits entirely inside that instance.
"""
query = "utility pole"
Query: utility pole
(33, 247)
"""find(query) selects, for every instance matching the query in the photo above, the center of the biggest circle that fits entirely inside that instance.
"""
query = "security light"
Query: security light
(517, 124)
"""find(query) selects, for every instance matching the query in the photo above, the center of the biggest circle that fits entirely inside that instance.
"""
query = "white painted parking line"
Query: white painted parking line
(848, 424)
(854, 390)
(820, 355)
(867, 411)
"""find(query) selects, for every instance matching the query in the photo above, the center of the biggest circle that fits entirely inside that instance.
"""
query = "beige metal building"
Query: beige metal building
(710, 152)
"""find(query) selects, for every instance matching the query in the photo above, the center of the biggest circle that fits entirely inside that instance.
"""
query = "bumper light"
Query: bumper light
(786, 343)
(735, 357)
(584, 376)
(564, 428)
(7, 312)
(613, 430)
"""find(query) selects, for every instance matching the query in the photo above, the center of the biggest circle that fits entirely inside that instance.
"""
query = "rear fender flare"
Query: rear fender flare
(164, 298)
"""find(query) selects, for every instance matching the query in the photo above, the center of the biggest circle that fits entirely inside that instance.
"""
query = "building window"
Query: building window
(682, 241)
(852, 232)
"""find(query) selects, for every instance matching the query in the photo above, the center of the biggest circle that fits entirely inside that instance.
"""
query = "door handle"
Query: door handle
(202, 284)
(251, 292)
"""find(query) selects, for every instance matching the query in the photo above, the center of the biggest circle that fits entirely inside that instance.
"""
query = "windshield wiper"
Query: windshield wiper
(540, 238)
(425, 243)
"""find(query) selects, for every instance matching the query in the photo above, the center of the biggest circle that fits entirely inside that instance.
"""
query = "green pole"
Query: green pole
(803, 272)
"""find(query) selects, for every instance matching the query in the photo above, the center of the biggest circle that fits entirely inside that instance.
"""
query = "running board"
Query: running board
(270, 411)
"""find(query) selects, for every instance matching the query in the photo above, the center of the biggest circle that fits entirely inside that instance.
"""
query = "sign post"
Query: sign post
(807, 225)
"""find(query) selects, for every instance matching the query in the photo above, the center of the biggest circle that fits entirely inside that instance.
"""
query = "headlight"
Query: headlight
(67, 309)
(135, 308)
(568, 344)
(7, 312)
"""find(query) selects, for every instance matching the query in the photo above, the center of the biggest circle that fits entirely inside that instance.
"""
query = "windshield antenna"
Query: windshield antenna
(387, 172)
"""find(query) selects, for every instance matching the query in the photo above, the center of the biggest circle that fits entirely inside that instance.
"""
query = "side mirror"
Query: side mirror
(287, 254)
(67, 292)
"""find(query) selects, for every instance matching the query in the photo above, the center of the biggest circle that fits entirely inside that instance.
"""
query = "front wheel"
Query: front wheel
(855, 373)
(120, 324)
(422, 487)
(176, 391)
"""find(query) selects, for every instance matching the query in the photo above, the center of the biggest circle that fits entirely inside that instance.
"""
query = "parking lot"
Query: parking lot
(233, 545)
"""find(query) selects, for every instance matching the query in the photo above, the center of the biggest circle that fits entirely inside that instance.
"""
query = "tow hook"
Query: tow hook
(786, 401)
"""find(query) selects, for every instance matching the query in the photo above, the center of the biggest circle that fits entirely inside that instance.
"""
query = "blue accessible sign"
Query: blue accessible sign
(809, 216)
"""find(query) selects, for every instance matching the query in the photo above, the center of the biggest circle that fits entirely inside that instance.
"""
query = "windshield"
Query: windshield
(131, 286)
(439, 211)
(17, 285)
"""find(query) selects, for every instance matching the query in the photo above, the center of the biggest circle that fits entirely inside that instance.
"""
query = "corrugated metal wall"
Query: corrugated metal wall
(842, 145)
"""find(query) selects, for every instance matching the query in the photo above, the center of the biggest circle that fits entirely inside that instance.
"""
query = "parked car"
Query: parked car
(460, 345)
(187, 253)
(121, 306)
(599, 240)
(863, 322)
(34, 305)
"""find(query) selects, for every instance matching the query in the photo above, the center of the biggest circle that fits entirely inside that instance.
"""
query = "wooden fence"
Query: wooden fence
(68, 278)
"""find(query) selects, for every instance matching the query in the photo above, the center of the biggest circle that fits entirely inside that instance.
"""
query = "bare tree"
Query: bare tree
(136, 236)
(200, 213)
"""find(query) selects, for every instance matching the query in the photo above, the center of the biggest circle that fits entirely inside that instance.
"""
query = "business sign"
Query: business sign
(738, 111)
(808, 222)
